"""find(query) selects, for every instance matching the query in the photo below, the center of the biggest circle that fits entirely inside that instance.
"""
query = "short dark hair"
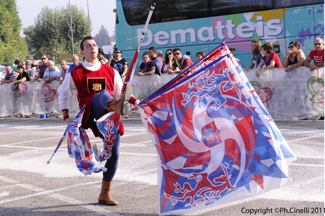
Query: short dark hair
(232, 49)
(268, 47)
(295, 43)
(145, 53)
(83, 40)
(177, 49)
(17, 61)
(45, 55)
(154, 49)
(20, 67)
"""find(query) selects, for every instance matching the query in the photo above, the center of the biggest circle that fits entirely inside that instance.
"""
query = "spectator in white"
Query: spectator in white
(200, 55)
(256, 47)
(169, 59)
(181, 62)
(147, 67)
(118, 63)
(43, 67)
(295, 56)
(29, 70)
(52, 73)
(64, 69)
(76, 63)
(316, 55)
(10, 75)
(156, 59)
(233, 52)
(101, 55)
(34, 64)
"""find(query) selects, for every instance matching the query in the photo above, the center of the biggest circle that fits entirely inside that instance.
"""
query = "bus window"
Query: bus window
(294, 3)
(225, 7)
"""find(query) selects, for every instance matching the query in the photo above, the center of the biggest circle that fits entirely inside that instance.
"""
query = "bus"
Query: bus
(201, 25)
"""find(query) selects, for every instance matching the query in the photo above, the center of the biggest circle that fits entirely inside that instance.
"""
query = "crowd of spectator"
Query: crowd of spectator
(174, 62)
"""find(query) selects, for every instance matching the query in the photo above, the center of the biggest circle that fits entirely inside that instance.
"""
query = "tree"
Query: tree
(102, 38)
(10, 41)
(51, 32)
(80, 27)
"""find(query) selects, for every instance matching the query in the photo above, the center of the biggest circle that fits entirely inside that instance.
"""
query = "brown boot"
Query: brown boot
(119, 105)
(105, 195)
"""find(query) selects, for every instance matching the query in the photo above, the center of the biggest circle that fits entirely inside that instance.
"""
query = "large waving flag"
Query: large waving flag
(216, 142)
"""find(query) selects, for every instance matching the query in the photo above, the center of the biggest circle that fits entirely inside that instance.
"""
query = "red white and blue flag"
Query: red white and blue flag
(79, 146)
(215, 140)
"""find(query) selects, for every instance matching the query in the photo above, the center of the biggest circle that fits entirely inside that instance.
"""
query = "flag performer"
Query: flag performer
(99, 90)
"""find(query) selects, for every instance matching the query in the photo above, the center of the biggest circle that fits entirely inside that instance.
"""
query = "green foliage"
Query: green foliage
(51, 31)
(10, 42)
(102, 38)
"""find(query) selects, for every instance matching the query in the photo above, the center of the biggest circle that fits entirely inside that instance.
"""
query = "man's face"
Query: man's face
(50, 66)
(28, 65)
(8, 70)
(319, 45)
(64, 65)
(44, 59)
(178, 54)
(146, 58)
(117, 54)
(90, 50)
(75, 60)
(151, 54)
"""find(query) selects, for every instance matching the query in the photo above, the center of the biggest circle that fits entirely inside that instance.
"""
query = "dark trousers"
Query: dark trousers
(98, 109)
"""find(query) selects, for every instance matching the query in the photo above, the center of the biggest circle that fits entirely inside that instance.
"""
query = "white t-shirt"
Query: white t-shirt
(54, 73)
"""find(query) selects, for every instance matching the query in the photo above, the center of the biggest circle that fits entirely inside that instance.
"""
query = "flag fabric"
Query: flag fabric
(215, 140)
(79, 146)
(219, 51)
(107, 126)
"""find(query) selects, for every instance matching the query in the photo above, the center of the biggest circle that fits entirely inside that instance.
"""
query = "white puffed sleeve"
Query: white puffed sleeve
(118, 85)
(65, 92)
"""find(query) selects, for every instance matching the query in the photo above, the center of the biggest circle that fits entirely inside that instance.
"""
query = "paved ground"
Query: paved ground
(28, 186)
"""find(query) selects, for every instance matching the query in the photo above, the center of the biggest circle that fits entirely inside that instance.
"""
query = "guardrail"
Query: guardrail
(295, 95)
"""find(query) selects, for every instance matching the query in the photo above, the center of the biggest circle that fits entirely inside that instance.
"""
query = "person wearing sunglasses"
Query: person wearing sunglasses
(295, 56)
(181, 62)
(317, 55)
(169, 60)
(43, 67)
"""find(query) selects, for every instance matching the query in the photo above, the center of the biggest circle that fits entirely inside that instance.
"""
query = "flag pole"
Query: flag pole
(135, 57)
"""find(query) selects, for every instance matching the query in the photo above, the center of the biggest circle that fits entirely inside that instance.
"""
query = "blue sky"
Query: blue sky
(100, 12)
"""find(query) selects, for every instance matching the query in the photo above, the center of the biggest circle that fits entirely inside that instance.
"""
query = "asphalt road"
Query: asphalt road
(29, 186)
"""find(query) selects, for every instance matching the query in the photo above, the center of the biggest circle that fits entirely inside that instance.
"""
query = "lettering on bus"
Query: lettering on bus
(244, 30)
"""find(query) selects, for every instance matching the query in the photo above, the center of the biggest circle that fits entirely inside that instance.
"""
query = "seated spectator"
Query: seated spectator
(181, 62)
(118, 63)
(29, 70)
(270, 60)
(10, 75)
(147, 67)
(76, 63)
(156, 59)
(52, 73)
(233, 52)
(256, 47)
(64, 69)
(317, 55)
(200, 55)
(295, 56)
